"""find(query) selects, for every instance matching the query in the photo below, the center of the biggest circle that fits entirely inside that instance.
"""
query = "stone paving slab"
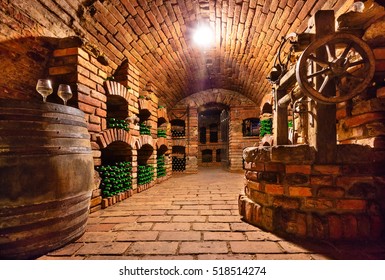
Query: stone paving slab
(103, 248)
(215, 247)
(225, 257)
(255, 247)
(98, 237)
(172, 226)
(189, 219)
(193, 217)
(211, 226)
(154, 219)
(136, 236)
(284, 257)
(223, 236)
(133, 226)
(153, 248)
(118, 220)
(180, 236)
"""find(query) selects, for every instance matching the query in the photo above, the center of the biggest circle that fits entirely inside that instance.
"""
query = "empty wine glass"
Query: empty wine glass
(44, 87)
(64, 92)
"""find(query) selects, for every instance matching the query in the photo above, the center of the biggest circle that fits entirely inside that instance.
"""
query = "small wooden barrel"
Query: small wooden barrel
(46, 175)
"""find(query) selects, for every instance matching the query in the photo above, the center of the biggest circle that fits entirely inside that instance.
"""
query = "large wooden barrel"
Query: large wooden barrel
(46, 176)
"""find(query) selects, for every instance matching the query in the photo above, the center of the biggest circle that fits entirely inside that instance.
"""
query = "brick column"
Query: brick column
(192, 140)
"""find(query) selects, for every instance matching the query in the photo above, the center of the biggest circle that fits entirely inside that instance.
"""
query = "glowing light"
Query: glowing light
(203, 36)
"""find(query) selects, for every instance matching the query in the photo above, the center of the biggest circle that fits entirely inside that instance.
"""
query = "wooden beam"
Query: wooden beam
(326, 133)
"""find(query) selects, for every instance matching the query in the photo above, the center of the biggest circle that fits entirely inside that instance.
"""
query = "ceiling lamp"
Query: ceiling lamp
(203, 36)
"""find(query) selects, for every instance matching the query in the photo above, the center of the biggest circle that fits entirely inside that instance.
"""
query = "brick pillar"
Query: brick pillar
(85, 75)
(192, 140)
(235, 136)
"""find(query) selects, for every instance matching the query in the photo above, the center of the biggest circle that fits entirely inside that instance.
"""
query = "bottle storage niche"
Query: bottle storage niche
(161, 164)
(117, 112)
(162, 127)
(116, 169)
(146, 169)
(178, 128)
(162, 144)
(144, 120)
(178, 158)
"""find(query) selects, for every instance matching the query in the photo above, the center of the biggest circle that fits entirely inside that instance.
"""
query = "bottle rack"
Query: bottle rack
(144, 129)
(120, 138)
(145, 174)
(161, 166)
(178, 129)
(117, 123)
(147, 131)
(115, 178)
(179, 163)
(116, 169)
(178, 158)
(162, 144)
(178, 134)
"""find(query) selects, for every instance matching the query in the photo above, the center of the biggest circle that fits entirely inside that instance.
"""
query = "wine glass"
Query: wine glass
(64, 92)
(44, 87)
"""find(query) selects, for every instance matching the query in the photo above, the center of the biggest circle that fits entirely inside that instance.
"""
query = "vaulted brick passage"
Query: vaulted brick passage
(288, 93)
(156, 37)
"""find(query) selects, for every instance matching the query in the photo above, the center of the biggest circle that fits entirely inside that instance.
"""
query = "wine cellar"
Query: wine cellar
(105, 101)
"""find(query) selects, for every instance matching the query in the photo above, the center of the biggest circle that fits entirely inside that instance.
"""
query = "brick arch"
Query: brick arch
(224, 96)
(117, 89)
(180, 142)
(145, 140)
(268, 98)
(161, 142)
(111, 135)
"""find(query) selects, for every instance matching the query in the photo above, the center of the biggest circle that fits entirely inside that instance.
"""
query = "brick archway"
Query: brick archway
(223, 96)
(111, 135)
(117, 89)
(267, 99)
(145, 140)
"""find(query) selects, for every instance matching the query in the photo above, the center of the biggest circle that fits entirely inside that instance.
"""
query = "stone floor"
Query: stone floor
(194, 217)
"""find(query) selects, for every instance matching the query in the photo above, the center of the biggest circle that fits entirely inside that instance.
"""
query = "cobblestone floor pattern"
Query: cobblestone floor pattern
(194, 217)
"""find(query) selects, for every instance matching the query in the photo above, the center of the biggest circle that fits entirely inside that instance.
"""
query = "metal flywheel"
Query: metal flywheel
(340, 58)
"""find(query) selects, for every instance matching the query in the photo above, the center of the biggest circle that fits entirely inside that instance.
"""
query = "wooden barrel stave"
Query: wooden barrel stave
(46, 177)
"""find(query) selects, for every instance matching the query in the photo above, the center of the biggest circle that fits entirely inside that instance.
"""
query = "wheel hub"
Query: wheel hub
(339, 67)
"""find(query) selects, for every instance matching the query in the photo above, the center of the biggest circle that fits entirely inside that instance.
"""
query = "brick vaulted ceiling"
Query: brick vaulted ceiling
(156, 36)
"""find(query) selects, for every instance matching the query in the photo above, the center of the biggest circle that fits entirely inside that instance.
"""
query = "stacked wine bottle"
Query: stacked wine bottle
(144, 129)
(266, 127)
(161, 166)
(145, 174)
(178, 164)
(178, 133)
(116, 123)
(116, 178)
(162, 133)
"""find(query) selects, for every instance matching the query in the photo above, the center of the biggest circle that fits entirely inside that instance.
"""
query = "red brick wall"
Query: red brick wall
(237, 142)
(288, 193)
(362, 120)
